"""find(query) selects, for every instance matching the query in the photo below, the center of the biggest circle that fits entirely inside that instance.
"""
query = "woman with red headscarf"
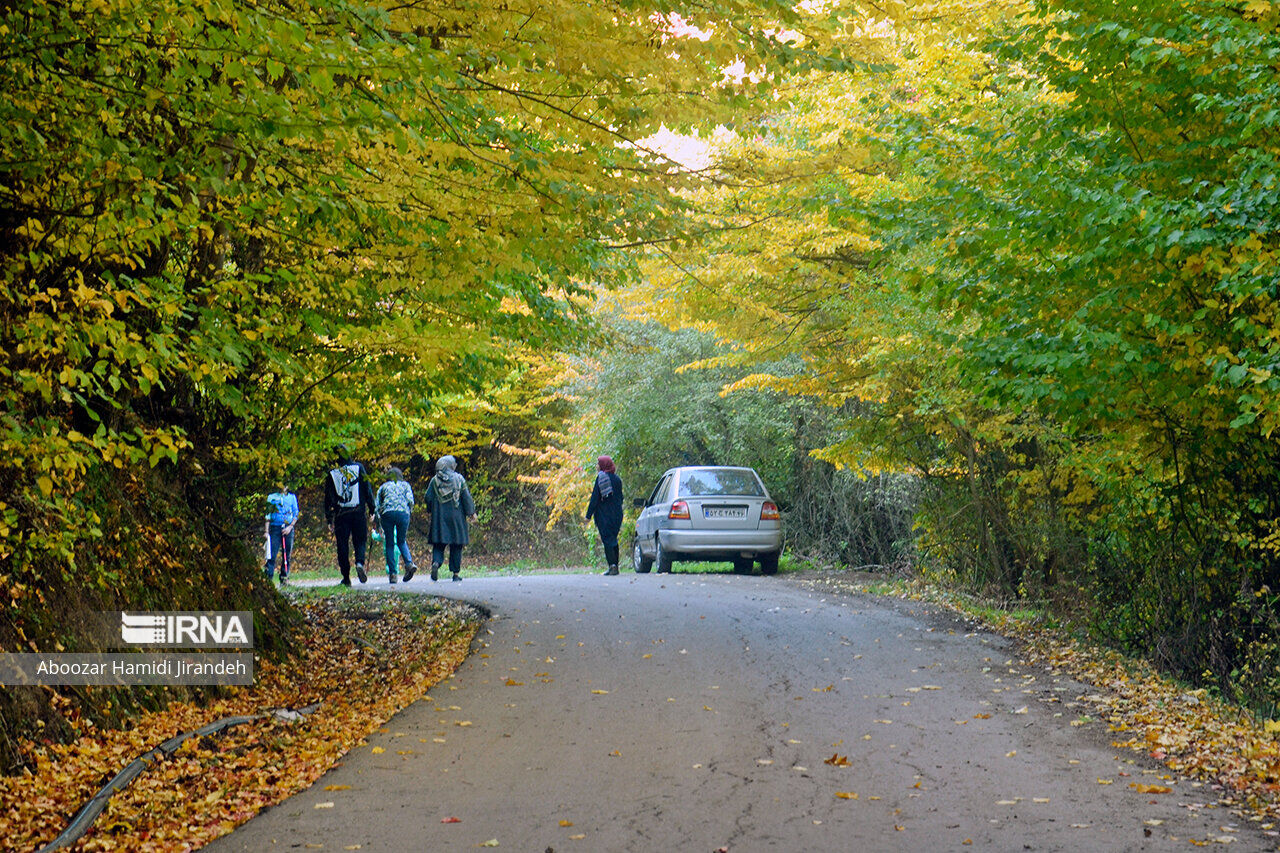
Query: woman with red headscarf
(606, 506)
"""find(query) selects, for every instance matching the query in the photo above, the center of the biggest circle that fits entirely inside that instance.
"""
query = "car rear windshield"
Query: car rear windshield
(705, 482)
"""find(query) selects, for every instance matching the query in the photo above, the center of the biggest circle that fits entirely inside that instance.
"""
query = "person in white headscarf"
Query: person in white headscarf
(449, 501)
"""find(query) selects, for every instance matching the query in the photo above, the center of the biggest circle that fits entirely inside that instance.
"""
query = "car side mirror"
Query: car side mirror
(639, 503)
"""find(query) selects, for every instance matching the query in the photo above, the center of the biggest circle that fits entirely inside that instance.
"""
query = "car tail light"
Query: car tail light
(769, 512)
(679, 509)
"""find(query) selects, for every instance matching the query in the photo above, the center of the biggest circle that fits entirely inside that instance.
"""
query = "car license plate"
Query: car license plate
(724, 512)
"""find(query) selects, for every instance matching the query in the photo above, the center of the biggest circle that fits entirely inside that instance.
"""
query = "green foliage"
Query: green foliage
(1116, 250)
(1038, 257)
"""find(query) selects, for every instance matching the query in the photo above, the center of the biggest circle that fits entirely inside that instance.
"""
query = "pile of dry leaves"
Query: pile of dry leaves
(364, 658)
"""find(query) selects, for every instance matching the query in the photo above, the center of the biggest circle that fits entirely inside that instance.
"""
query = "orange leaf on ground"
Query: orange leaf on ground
(1150, 789)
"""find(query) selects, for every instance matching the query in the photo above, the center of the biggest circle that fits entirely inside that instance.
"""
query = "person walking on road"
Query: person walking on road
(449, 501)
(348, 499)
(393, 506)
(606, 507)
(281, 520)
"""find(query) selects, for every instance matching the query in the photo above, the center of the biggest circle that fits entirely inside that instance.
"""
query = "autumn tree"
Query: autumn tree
(1041, 248)
(232, 232)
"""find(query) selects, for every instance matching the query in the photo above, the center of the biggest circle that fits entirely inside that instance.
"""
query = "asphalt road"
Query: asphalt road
(702, 712)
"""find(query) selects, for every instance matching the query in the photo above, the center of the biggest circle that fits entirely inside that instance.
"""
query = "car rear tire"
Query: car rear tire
(639, 562)
(742, 566)
(661, 557)
(769, 563)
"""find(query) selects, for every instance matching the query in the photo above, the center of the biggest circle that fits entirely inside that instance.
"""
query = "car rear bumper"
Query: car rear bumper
(724, 543)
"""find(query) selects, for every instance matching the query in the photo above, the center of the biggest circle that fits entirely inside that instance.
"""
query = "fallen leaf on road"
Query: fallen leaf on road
(492, 842)
(511, 682)
(337, 787)
(323, 806)
(982, 716)
(837, 761)
(1150, 789)
(577, 837)
(566, 823)
(886, 722)
(764, 761)
(1021, 710)
(1039, 799)
(451, 820)
(1105, 781)
(463, 723)
(846, 795)
(600, 692)
(377, 750)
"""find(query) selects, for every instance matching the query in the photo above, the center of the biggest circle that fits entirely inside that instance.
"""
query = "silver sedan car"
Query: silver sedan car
(708, 514)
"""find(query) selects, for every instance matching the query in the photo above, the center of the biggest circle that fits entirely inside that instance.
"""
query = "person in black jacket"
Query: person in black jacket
(449, 501)
(348, 505)
(606, 506)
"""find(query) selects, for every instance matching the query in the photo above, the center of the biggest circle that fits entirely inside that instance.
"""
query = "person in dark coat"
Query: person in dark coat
(449, 501)
(348, 505)
(606, 507)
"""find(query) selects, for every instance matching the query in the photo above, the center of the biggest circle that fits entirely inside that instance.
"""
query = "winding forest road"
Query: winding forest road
(699, 712)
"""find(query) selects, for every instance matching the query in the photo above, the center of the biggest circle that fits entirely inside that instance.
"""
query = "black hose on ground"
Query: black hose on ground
(89, 812)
